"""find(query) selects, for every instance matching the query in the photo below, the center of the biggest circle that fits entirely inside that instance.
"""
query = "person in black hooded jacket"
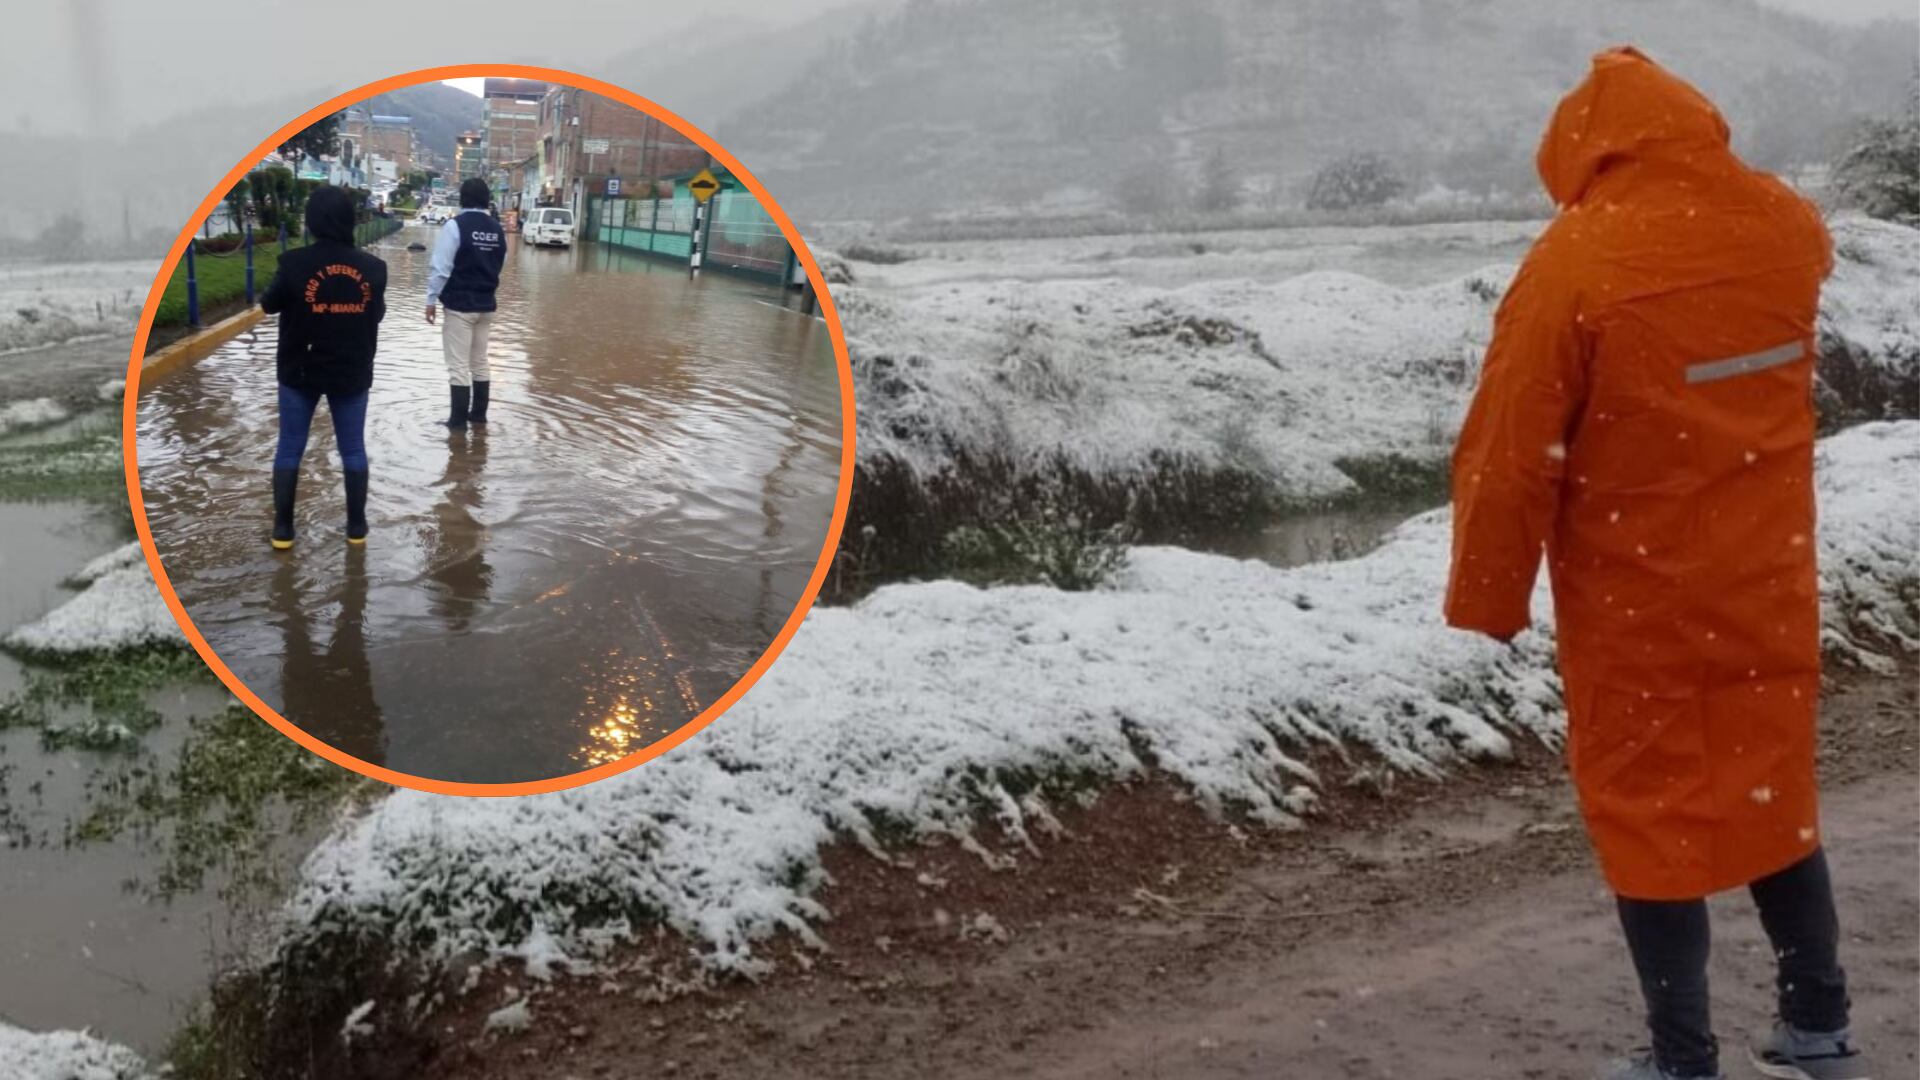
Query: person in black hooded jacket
(330, 298)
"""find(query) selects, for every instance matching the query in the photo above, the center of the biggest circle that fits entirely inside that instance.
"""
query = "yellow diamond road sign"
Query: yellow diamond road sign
(703, 185)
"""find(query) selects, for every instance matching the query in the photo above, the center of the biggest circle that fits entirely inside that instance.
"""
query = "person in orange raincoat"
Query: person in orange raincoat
(1644, 415)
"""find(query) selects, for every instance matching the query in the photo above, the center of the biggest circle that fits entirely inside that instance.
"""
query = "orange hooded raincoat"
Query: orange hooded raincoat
(1645, 414)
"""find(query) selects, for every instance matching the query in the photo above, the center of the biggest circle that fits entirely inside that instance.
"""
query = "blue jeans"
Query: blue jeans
(349, 427)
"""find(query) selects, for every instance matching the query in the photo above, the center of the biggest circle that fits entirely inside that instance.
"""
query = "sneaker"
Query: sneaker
(1641, 1066)
(1791, 1054)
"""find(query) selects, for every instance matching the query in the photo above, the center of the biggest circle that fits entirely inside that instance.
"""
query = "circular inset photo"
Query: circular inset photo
(489, 429)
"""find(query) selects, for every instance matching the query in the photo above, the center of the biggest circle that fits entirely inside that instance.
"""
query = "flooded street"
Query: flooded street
(540, 595)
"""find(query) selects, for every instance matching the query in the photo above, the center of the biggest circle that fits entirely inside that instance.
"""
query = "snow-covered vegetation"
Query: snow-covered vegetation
(65, 1055)
(1280, 379)
(1092, 401)
(940, 707)
(44, 303)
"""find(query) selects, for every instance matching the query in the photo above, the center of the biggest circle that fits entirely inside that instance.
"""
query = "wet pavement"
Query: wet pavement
(547, 593)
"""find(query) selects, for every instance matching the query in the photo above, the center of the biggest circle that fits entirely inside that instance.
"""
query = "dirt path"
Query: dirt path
(1455, 931)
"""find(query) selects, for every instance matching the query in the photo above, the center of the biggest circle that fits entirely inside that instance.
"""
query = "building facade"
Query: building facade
(469, 155)
(365, 136)
(509, 119)
(586, 139)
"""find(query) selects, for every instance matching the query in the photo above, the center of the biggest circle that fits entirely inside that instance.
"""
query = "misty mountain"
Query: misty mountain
(439, 112)
(129, 191)
(730, 68)
(950, 104)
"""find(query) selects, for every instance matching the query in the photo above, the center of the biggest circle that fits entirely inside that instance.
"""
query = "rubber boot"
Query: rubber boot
(462, 400)
(478, 414)
(285, 481)
(356, 505)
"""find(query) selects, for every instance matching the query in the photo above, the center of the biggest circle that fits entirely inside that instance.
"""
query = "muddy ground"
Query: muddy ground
(1439, 930)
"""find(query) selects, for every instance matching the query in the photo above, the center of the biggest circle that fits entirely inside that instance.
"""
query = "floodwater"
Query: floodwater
(550, 592)
(103, 956)
(1327, 535)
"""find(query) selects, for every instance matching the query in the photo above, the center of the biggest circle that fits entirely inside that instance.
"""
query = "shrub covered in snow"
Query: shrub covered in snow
(1359, 179)
(1880, 170)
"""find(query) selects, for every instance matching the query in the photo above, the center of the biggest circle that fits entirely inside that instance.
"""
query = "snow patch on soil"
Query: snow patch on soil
(1868, 484)
(932, 708)
(38, 412)
(65, 1055)
(118, 607)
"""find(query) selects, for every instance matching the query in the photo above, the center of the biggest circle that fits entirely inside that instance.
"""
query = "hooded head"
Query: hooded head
(474, 194)
(1629, 108)
(330, 214)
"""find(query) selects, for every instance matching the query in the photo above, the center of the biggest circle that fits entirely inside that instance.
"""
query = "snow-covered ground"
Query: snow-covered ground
(117, 607)
(32, 413)
(1282, 378)
(1405, 255)
(65, 1055)
(42, 303)
(936, 707)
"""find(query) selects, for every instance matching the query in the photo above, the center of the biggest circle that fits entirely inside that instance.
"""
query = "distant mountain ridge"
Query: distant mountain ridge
(956, 103)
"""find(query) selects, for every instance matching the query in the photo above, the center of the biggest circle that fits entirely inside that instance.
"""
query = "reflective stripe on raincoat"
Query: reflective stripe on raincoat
(1645, 415)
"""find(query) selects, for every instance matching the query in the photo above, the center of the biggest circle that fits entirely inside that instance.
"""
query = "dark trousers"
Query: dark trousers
(1670, 940)
(349, 427)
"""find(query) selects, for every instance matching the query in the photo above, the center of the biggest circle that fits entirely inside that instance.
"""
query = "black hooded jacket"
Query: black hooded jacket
(330, 298)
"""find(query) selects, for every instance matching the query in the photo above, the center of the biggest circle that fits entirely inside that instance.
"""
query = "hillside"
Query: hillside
(440, 113)
(760, 61)
(956, 103)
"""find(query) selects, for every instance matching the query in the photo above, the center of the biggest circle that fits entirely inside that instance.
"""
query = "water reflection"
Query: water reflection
(336, 680)
(578, 578)
(457, 544)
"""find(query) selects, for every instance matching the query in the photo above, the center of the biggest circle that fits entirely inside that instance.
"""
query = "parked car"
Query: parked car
(549, 225)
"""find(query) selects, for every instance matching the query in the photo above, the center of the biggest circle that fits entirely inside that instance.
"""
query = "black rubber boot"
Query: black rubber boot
(356, 505)
(478, 415)
(285, 481)
(462, 400)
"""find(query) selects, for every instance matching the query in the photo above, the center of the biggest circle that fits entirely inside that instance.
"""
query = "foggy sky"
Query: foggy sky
(1849, 11)
(103, 67)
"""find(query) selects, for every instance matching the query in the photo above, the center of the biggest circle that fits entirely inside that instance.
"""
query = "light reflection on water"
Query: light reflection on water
(541, 595)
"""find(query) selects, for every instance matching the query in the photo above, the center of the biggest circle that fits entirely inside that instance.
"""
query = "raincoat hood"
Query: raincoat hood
(1628, 108)
(330, 214)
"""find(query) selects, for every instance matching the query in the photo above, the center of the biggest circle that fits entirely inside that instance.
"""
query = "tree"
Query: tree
(272, 195)
(1880, 173)
(1219, 188)
(64, 237)
(1355, 181)
(316, 140)
(237, 199)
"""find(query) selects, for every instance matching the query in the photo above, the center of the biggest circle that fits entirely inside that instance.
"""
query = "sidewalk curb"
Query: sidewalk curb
(198, 347)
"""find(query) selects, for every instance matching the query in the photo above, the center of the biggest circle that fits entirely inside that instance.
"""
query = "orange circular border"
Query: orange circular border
(130, 445)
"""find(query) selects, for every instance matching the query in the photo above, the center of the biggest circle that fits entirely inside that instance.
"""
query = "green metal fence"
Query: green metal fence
(741, 237)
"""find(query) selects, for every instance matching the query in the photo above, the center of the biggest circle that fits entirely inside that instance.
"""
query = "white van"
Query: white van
(548, 225)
